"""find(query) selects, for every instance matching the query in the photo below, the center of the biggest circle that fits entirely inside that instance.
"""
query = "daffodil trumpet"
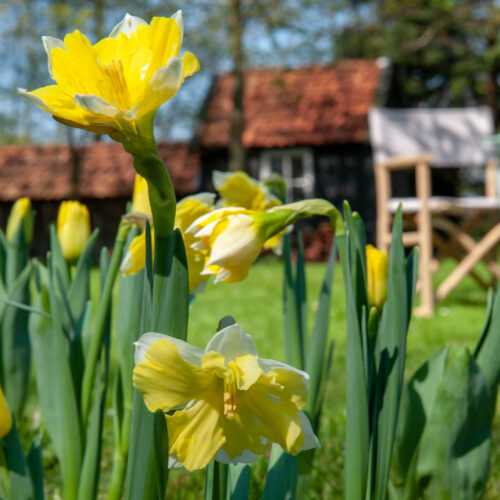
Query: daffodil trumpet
(232, 238)
(229, 404)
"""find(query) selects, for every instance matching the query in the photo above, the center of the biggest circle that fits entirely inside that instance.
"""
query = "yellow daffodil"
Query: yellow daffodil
(5, 416)
(188, 209)
(73, 228)
(238, 189)
(234, 404)
(140, 197)
(232, 238)
(377, 263)
(116, 85)
(20, 214)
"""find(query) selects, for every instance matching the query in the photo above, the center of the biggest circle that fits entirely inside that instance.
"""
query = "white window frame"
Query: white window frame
(304, 182)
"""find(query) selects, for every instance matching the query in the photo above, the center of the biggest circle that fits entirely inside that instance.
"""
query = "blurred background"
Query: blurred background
(284, 86)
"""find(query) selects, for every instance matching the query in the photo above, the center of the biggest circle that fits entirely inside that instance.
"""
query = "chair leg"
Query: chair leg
(477, 253)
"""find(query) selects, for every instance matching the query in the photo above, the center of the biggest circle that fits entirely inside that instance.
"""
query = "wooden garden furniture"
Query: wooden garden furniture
(423, 139)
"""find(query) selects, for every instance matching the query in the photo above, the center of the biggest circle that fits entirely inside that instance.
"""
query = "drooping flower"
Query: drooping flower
(20, 214)
(73, 228)
(5, 416)
(377, 263)
(188, 209)
(116, 85)
(232, 238)
(140, 197)
(234, 405)
(238, 189)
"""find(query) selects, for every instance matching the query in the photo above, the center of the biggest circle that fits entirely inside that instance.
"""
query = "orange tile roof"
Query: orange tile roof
(106, 171)
(316, 105)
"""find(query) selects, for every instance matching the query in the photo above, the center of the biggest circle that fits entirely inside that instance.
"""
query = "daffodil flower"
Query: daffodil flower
(232, 238)
(20, 215)
(140, 196)
(231, 405)
(377, 263)
(188, 209)
(73, 228)
(238, 189)
(5, 416)
(116, 85)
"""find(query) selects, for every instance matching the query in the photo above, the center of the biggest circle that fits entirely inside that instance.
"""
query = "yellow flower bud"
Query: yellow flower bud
(20, 214)
(377, 263)
(73, 228)
(140, 198)
(5, 416)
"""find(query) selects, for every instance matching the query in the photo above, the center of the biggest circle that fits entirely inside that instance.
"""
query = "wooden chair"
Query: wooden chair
(422, 139)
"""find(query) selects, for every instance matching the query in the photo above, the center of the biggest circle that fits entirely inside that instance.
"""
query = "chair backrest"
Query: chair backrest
(454, 136)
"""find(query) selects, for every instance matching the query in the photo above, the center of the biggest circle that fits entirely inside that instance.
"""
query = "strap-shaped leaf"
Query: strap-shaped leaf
(282, 473)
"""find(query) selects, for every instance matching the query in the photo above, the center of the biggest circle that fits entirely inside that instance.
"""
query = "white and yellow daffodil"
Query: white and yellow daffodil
(73, 228)
(5, 416)
(232, 238)
(116, 85)
(234, 405)
(188, 209)
(140, 196)
(377, 263)
(20, 216)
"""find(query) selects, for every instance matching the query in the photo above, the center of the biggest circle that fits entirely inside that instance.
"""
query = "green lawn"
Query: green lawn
(256, 305)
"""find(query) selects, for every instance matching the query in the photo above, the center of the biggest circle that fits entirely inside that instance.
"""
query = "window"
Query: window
(296, 167)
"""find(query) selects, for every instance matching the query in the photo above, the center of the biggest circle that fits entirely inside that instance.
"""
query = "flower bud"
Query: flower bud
(377, 263)
(20, 214)
(140, 198)
(73, 229)
(5, 416)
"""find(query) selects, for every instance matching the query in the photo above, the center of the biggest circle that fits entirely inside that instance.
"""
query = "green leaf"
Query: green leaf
(79, 289)
(57, 258)
(417, 401)
(281, 479)
(454, 451)
(216, 481)
(55, 386)
(21, 484)
(357, 416)
(171, 287)
(15, 345)
(239, 481)
(160, 432)
(36, 468)
(89, 477)
(292, 320)
(317, 350)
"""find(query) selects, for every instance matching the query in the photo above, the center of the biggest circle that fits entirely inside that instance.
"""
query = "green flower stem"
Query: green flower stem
(148, 163)
(101, 318)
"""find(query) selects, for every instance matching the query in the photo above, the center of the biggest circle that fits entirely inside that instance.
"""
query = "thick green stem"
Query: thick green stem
(148, 163)
(100, 322)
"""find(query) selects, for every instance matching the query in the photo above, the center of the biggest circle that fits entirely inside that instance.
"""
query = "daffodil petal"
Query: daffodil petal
(163, 85)
(270, 364)
(195, 434)
(187, 351)
(190, 64)
(232, 342)
(50, 43)
(177, 17)
(127, 25)
(310, 439)
(166, 380)
(96, 105)
(34, 99)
